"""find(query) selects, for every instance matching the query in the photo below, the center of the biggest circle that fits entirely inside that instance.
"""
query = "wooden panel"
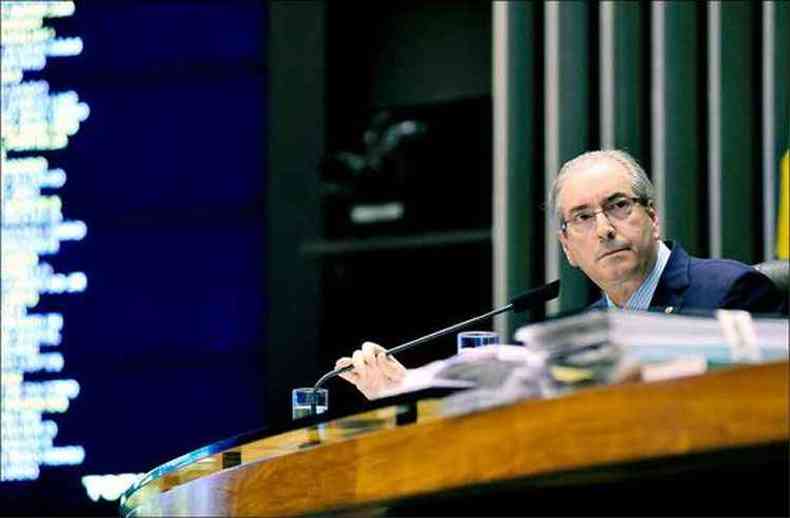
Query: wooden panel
(577, 123)
(632, 86)
(729, 408)
(684, 62)
(740, 122)
(519, 219)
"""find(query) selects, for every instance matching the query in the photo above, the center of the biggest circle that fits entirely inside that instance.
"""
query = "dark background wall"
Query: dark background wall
(342, 282)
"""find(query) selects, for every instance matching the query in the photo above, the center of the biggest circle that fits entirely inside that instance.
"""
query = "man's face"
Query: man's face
(610, 252)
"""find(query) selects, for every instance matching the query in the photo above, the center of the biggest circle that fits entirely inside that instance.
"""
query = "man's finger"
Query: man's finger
(373, 346)
(369, 350)
(343, 362)
(349, 375)
(361, 368)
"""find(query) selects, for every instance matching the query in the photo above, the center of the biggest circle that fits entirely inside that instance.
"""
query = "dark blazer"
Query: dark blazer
(692, 283)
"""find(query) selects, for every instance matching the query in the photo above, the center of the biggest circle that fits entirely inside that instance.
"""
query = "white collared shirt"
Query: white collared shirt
(640, 299)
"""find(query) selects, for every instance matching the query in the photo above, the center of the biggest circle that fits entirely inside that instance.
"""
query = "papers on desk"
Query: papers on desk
(599, 347)
(422, 378)
(484, 366)
(729, 337)
(493, 375)
(613, 345)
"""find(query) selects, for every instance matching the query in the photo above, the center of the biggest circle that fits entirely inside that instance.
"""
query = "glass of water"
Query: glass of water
(471, 339)
(308, 401)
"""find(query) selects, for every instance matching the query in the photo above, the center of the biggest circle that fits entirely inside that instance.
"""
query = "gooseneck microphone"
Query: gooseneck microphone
(518, 304)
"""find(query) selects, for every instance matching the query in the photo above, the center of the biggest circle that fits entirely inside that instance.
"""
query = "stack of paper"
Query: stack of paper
(647, 337)
(599, 347)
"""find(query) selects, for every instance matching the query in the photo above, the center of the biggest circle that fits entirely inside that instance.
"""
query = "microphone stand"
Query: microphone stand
(418, 341)
(520, 303)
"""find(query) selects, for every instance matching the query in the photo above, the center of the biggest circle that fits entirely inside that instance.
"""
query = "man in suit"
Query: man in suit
(609, 228)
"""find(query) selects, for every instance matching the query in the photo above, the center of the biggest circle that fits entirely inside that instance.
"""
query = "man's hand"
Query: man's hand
(373, 370)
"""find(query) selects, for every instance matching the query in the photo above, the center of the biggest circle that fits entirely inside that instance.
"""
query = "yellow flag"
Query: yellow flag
(783, 225)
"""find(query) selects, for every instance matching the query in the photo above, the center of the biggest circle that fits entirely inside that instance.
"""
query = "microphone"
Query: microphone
(526, 300)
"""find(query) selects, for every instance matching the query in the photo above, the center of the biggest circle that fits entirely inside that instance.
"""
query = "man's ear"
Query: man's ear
(568, 254)
(651, 211)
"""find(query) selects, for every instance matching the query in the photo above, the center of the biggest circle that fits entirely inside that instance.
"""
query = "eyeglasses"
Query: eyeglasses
(618, 209)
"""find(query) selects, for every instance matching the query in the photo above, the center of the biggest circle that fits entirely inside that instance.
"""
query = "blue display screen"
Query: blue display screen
(134, 258)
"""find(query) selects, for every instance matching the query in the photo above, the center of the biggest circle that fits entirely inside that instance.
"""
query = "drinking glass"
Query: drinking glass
(308, 401)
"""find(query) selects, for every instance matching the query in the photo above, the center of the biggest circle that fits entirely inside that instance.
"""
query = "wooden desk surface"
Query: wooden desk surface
(369, 458)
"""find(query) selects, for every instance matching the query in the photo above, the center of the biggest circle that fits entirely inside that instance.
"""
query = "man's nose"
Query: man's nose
(604, 227)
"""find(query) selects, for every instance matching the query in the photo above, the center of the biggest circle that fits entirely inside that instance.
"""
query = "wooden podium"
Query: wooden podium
(716, 443)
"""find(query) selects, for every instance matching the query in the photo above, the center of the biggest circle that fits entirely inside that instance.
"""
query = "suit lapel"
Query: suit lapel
(673, 282)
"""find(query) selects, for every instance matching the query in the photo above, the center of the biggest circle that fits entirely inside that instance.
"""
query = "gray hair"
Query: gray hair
(640, 183)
